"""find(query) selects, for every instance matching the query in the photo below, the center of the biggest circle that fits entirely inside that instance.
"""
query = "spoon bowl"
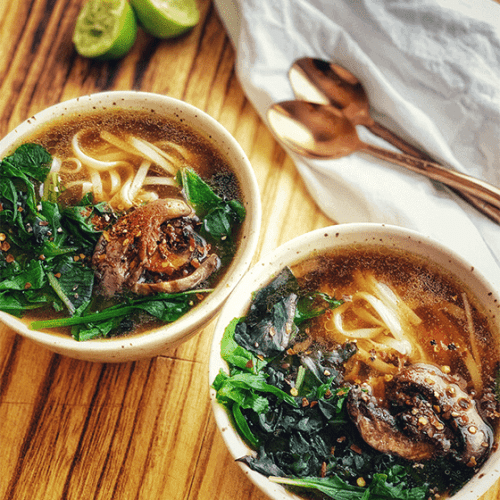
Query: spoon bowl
(323, 82)
(301, 126)
(326, 83)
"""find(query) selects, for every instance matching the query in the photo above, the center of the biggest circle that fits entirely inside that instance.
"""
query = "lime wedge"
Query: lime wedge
(166, 18)
(105, 29)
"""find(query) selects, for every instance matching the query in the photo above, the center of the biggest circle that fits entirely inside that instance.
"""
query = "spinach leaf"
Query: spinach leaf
(236, 355)
(234, 387)
(29, 159)
(308, 306)
(242, 425)
(379, 489)
(165, 307)
(77, 221)
(220, 217)
(32, 276)
(30, 162)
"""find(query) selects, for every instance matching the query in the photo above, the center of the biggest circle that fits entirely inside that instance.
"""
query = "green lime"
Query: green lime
(166, 18)
(105, 29)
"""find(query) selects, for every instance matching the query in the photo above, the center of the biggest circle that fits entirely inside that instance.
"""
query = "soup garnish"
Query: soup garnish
(105, 231)
(363, 375)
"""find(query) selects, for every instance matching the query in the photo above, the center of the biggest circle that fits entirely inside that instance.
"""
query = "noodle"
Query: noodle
(111, 173)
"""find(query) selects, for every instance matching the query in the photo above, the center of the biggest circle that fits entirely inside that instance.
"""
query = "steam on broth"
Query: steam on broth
(383, 370)
(149, 208)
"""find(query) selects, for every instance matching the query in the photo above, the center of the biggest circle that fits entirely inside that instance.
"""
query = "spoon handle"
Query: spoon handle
(378, 129)
(390, 137)
(465, 183)
(486, 208)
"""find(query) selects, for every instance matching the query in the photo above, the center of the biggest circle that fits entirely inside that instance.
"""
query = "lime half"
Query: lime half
(105, 29)
(166, 18)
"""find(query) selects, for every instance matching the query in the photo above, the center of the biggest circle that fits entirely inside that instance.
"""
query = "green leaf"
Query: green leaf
(235, 355)
(313, 305)
(32, 160)
(249, 381)
(199, 194)
(243, 426)
(338, 489)
(334, 487)
(33, 276)
(219, 217)
(166, 307)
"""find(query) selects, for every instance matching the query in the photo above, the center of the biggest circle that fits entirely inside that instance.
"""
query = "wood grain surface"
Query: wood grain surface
(142, 430)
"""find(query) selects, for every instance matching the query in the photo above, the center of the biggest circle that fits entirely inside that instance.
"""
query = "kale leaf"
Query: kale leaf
(269, 325)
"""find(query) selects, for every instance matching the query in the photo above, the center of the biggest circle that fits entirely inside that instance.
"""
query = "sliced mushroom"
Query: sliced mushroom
(153, 249)
(199, 275)
(451, 406)
(378, 427)
(428, 414)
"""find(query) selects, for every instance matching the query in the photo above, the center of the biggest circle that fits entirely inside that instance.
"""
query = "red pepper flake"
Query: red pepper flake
(27, 286)
(10, 258)
(20, 209)
(5, 246)
(356, 449)
(305, 402)
(44, 223)
(42, 257)
(313, 404)
(76, 258)
(249, 364)
(57, 275)
(323, 469)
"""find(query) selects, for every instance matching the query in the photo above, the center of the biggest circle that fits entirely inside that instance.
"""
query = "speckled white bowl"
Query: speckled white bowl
(324, 240)
(133, 347)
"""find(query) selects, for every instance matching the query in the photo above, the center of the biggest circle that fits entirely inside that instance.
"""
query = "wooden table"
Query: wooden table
(142, 430)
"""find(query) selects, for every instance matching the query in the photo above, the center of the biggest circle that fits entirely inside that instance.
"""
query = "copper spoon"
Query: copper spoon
(320, 81)
(322, 131)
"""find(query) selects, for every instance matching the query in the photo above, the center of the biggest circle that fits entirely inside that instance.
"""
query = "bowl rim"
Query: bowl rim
(174, 333)
(294, 251)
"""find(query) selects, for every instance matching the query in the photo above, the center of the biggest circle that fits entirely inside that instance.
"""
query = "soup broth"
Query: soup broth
(384, 371)
(149, 207)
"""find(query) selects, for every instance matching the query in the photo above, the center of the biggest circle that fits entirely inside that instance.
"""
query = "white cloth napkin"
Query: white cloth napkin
(431, 69)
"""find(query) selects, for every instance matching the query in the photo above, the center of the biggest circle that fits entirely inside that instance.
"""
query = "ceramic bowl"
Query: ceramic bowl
(133, 347)
(328, 239)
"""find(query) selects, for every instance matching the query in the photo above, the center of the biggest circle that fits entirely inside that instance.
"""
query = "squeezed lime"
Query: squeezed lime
(166, 18)
(105, 29)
